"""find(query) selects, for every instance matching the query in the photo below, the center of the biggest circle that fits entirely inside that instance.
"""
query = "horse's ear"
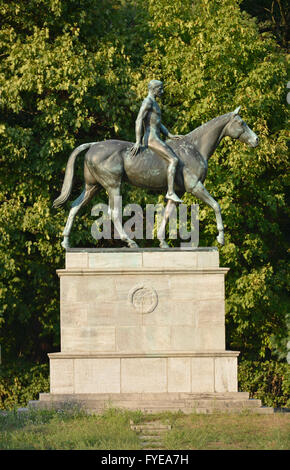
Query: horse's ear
(237, 110)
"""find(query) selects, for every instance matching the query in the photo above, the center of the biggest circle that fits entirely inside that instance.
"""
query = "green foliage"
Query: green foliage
(76, 73)
(272, 15)
(268, 381)
(21, 382)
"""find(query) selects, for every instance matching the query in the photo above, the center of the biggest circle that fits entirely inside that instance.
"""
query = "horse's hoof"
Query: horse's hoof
(221, 239)
(132, 244)
(163, 244)
(65, 244)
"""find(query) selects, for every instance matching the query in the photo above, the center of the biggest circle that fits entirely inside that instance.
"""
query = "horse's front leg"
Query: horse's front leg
(200, 192)
(170, 206)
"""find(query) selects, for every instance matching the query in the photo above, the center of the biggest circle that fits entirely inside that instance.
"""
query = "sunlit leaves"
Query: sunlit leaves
(75, 71)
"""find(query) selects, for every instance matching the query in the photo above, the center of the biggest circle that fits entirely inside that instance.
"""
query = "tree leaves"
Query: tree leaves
(76, 71)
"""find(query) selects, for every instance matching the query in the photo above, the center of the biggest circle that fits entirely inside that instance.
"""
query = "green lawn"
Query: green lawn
(73, 429)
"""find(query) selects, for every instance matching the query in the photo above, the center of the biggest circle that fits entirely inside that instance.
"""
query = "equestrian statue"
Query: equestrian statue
(176, 166)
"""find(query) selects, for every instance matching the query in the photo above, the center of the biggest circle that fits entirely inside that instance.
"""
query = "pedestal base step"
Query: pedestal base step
(235, 402)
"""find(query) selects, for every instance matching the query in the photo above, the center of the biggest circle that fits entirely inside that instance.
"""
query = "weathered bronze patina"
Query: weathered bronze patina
(149, 119)
(152, 163)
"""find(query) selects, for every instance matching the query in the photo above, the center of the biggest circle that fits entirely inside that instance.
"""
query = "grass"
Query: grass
(72, 429)
(230, 432)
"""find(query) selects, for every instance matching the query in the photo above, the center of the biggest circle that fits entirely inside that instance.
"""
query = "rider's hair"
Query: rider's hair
(153, 84)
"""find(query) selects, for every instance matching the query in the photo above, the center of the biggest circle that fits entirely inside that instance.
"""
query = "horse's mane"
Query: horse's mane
(196, 133)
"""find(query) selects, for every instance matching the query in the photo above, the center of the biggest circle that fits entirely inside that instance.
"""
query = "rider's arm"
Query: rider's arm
(145, 107)
(168, 134)
(164, 130)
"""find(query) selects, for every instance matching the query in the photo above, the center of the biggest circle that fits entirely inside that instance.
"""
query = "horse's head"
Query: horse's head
(238, 129)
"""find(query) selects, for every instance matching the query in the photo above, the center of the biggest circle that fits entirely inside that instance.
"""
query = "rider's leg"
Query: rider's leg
(162, 149)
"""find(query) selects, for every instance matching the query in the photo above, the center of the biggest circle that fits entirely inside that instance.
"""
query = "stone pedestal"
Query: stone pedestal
(142, 326)
(144, 329)
(142, 321)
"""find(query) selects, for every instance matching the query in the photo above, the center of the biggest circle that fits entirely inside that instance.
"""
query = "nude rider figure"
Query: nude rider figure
(149, 124)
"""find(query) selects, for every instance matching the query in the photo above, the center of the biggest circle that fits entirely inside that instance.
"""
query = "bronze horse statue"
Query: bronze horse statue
(110, 162)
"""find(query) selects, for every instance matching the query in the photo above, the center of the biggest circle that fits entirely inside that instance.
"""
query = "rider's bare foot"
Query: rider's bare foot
(173, 197)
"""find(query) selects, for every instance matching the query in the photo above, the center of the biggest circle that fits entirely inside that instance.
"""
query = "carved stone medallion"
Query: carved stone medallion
(143, 298)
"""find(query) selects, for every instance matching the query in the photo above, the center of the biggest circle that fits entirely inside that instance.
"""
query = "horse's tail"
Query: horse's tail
(69, 174)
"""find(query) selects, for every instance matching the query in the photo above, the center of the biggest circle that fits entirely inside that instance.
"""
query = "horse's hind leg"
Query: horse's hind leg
(200, 192)
(114, 210)
(77, 204)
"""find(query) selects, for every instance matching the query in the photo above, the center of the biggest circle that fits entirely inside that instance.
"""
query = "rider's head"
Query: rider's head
(155, 85)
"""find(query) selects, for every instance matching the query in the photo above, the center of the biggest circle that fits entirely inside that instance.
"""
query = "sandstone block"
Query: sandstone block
(115, 260)
(76, 260)
(202, 375)
(141, 375)
(88, 339)
(61, 376)
(226, 374)
(179, 374)
(142, 339)
(97, 375)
